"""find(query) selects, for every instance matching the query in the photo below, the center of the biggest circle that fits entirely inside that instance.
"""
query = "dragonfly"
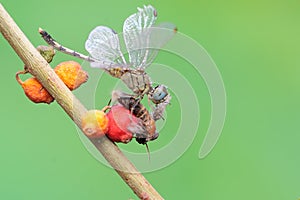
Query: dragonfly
(143, 40)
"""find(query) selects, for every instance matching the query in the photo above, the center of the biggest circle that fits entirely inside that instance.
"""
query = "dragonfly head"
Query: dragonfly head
(159, 94)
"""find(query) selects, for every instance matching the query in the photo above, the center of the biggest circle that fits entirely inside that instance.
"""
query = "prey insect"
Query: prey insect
(142, 40)
(147, 130)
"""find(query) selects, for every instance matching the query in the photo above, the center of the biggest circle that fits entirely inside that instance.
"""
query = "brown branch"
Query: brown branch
(38, 67)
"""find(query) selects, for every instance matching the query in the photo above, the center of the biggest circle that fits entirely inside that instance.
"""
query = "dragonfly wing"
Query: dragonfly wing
(104, 46)
(135, 30)
(138, 130)
(158, 37)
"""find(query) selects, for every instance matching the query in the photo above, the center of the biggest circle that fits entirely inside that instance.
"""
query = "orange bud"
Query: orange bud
(71, 74)
(35, 91)
(94, 123)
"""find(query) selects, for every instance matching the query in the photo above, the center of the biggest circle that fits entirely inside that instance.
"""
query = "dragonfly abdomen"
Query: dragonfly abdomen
(47, 37)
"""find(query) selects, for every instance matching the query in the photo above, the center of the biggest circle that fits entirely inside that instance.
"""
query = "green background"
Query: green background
(255, 45)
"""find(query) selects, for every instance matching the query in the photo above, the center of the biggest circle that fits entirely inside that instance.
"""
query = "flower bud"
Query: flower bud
(71, 74)
(120, 121)
(94, 123)
(35, 91)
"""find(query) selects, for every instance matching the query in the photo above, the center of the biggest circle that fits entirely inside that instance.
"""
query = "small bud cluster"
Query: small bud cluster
(69, 72)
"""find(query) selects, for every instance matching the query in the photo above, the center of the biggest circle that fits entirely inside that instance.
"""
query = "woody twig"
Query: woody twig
(39, 68)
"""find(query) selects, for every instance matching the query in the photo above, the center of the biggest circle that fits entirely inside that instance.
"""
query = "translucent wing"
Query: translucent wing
(136, 33)
(103, 45)
(158, 37)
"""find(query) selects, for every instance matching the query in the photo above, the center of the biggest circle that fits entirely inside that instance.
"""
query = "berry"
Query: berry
(120, 120)
(95, 123)
(71, 74)
(35, 91)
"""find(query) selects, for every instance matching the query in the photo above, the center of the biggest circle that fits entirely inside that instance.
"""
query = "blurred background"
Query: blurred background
(255, 45)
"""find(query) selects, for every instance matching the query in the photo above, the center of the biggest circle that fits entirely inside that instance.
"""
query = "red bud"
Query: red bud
(119, 120)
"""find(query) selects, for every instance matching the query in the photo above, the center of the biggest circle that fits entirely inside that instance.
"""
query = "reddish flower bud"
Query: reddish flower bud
(34, 90)
(71, 74)
(120, 119)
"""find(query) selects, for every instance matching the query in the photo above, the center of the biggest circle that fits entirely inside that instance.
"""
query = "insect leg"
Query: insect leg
(106, 108)
(160, 108)
(137, 102)
(149, 103)
(109, 102)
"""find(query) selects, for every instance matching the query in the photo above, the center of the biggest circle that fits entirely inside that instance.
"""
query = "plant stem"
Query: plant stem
(39, 68)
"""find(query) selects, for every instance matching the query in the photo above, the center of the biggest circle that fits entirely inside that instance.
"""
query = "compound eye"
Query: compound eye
(159, 95)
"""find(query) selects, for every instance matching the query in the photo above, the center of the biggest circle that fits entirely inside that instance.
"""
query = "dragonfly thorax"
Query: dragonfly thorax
(116, 72)
(137, 81)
